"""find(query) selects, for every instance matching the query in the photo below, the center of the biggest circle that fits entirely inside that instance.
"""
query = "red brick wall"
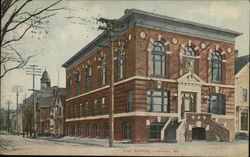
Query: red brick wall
(173, 64)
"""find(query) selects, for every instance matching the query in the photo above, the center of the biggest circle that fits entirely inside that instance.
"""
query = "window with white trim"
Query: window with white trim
(103, 72)
(129, 101)
(158, 59)
(120, 65)
(102, 104)
(244, 95)
(157, 100)
(89, 78)
(216, 63)
(217, 104)
(189, 59)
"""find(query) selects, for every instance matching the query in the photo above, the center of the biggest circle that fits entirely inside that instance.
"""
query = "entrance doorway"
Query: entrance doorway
(198, 133)
(188, 102)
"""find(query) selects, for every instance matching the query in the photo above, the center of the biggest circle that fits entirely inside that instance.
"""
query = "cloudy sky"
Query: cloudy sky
(67, 36)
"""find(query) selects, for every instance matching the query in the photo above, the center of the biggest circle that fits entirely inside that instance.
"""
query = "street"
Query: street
(17, 145)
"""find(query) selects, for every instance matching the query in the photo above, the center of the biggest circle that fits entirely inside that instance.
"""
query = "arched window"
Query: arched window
(120, 71)
(158, 59)
(89, 78)
(216, 66)
(189, 59)
(103, 72)
(217, 104)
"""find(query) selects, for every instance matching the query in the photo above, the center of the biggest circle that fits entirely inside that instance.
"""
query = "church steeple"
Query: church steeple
(45, 80)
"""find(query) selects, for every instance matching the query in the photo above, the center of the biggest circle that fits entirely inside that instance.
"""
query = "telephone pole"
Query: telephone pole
(8, 117)
(17, 89)
(109, 26)
(34, 71)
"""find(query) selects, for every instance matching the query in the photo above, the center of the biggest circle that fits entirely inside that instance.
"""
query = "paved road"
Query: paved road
(17, 145)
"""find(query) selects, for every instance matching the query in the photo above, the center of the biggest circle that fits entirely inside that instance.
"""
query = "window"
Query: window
(78, 81)
(102, 105)
(69, 130)
(120, 62)
(106, 133)
(244, 94)
(126, 131)
(189, 59)
(87, 130)
(97, 130)
(155, 130)
(129, 101)
(216, 66)
(217, 104)
(103, 72)
(85, 109)
(69, 82)
(81, 130)
(69, 88)
(94, 107)
(81, 110)
(157, 101)
(158, 59)
(89, 78)
(78, 76)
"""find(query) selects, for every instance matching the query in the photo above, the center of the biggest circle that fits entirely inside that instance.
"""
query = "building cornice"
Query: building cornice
(134, 17)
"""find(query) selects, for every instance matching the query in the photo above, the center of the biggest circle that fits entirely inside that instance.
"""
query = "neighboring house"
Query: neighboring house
(56, 113)
(242, 93)
(45, 99)
(174, 82)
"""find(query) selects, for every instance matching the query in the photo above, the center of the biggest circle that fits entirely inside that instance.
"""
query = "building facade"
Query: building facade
(174, 82)
(242, 93)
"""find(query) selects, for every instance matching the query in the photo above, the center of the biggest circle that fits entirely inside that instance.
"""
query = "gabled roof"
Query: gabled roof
(134, 17)
(240, 62)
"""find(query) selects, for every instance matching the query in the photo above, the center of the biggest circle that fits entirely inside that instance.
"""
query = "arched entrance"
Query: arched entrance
(198, 133)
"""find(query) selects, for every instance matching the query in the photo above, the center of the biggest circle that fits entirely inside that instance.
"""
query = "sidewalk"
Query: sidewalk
(126, 144)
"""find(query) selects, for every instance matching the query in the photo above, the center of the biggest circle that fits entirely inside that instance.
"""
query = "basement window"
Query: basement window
(155, 130)
(126, 131)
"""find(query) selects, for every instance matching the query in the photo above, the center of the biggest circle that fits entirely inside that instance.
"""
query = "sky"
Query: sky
(66, 36)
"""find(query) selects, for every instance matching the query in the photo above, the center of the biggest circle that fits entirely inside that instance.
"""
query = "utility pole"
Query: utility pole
(110, 28)
(17, 89)
(8, 117)
(34, 71)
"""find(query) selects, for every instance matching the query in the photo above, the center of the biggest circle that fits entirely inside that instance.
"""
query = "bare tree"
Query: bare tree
(28, 115)
(17, 19)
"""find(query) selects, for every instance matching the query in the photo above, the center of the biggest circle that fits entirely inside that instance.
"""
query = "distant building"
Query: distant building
(242, 93)
(56, 113)
(174, 82)
(45, 102)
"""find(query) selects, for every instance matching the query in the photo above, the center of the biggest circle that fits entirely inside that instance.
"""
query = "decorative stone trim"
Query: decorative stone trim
(129, 36)
(159, 37)
(143, 35)
(203, 45)
(174, 41)
(126, 114)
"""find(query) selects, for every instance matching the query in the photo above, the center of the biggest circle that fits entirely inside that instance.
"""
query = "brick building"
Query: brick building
(174, 82)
